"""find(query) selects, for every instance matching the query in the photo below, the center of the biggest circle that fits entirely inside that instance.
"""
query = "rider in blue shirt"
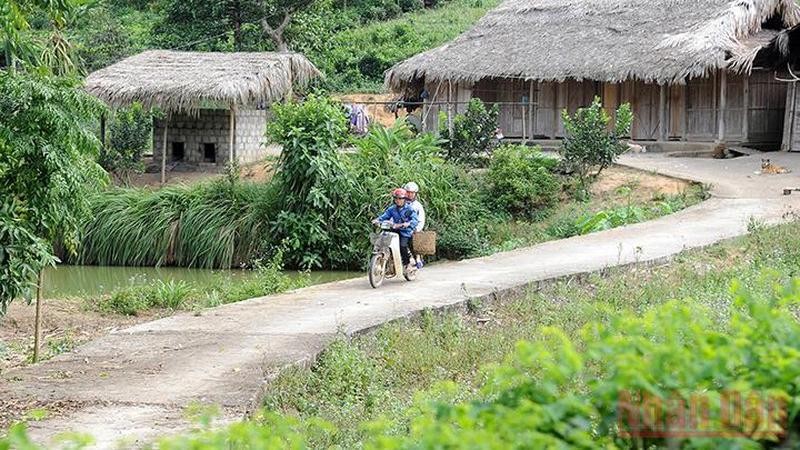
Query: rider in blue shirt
(405, 221)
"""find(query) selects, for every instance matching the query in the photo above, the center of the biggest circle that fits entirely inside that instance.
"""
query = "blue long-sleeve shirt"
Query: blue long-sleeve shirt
(401, 215)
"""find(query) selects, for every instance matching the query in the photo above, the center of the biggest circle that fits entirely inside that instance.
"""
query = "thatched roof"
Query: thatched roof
(662, 41)
(185, 81)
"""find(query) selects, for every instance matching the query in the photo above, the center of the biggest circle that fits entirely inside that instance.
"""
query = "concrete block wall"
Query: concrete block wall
(209, 126)
(212, 126)
(251, 143)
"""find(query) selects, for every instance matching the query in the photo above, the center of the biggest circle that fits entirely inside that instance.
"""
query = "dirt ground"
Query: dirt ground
(257, 171)
(643, 185)
(377, 113)
(66, 323)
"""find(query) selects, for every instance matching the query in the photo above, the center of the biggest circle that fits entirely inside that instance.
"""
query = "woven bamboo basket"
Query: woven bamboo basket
(425, 243)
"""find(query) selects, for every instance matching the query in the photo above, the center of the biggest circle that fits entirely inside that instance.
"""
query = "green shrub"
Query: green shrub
(389, 157)
(169, 295)
(269, 279)
(589, 144)
(130, 133)
(310, 178)
(128, 301)
(521, 180)
(473, 134)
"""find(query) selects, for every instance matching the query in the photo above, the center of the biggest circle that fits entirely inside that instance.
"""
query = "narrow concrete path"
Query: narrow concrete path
(135, 383)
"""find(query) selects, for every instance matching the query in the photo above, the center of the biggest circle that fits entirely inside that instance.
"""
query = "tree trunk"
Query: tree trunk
(235, 16)
(276, 33)
(37, 325)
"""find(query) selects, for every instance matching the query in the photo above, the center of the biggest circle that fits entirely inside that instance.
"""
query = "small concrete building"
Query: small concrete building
(694, 71)
(215, 105)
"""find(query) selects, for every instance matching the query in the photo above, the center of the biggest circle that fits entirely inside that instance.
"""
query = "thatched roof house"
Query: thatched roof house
(186, 81)
(589, 45)
(215, 102)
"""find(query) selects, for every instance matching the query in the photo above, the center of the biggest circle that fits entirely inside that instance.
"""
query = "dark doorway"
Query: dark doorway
(178, 151)
(210, 153)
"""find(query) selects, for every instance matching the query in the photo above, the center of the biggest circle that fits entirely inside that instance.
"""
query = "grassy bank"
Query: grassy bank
(388, 375)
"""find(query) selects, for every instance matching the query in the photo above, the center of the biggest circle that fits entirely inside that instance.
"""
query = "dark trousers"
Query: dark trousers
(405, 250)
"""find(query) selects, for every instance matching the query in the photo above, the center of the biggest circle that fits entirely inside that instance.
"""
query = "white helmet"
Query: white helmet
(411, 187)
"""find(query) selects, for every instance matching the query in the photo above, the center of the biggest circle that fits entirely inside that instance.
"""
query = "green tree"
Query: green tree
(470, 139)
(278, 15)
(47, 163)
(311, 177)
(130, 135)
(51, 50)
(590, 142)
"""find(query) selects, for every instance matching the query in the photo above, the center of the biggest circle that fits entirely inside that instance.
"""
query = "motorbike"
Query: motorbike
(386, 261)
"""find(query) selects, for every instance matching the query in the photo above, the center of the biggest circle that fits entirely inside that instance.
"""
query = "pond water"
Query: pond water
(87, 281)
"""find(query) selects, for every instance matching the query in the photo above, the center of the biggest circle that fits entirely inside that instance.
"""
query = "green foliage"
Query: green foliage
(46, 49)
(128, 301)
(130, 134)
(589, 144)
(473, 134)
(46, 168)
(214, 225)
(310, 178)
(521, 180)
(632, 213)
(101, 38)
(268, 278)
(133, 299)
(389, 157)
(331, 37)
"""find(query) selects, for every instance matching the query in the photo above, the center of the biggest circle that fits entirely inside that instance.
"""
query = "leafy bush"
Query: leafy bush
(473, 135)
(521, 180)
(47, 169)
(589, 144)
(389, 157)
(169, 295)
(310, 178)
(269, 279)
(130, 135)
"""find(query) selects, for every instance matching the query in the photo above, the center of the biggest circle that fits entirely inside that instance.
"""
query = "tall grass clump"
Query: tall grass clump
(215, 225)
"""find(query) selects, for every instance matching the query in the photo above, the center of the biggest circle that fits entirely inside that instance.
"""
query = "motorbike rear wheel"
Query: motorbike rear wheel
(377, 270)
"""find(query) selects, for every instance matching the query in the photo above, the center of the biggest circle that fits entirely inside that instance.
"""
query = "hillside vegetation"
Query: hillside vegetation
(352, 42)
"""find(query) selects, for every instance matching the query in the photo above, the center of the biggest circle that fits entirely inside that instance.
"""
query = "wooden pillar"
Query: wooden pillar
(790, 118)
(531, 110)
(746, 114)
(450, 107)
(723, 86)
(232, 142)
(685, 99)
(555, 110)
(164, 151)
(662, 113)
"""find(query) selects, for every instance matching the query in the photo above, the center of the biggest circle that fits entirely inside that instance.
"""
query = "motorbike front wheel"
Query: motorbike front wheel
(377, 270)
